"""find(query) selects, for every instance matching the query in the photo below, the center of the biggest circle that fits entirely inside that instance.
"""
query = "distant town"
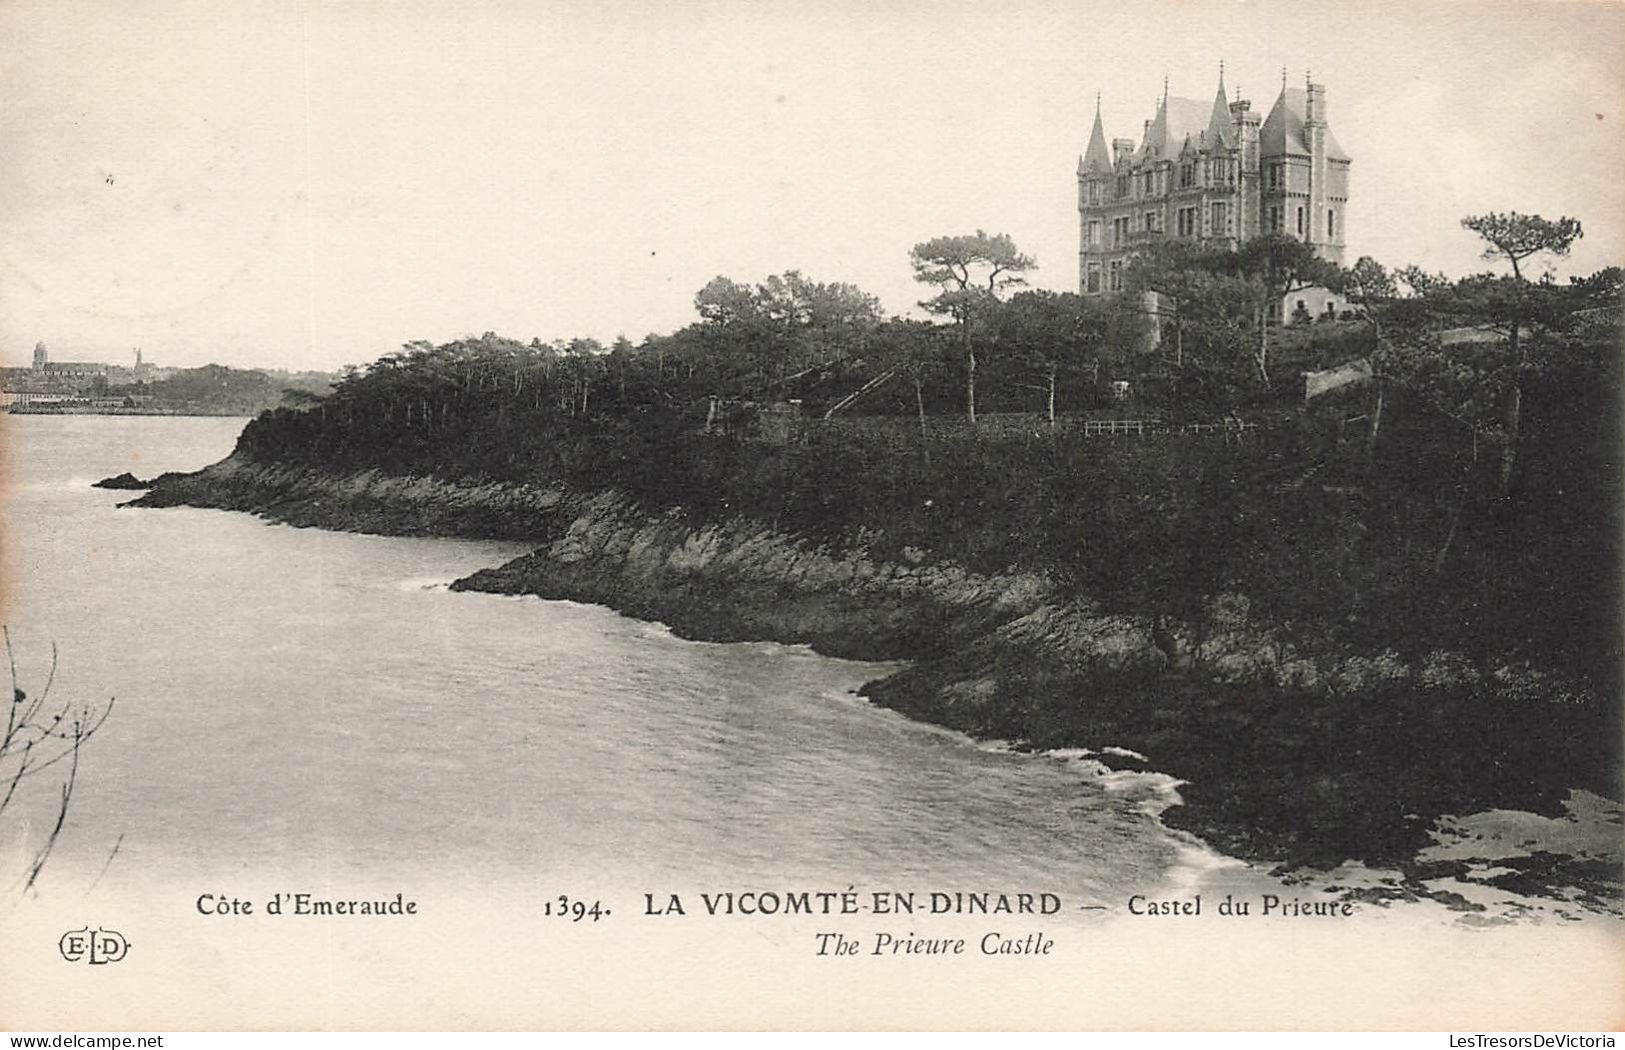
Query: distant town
(144, 388)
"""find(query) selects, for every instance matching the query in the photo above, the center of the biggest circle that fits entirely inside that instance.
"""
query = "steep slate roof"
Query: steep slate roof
(1177, 119)
(1282, 132)
(1097, 157)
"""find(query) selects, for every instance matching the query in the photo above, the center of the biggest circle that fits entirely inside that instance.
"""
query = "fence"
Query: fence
(1141, 427)
(903, 432)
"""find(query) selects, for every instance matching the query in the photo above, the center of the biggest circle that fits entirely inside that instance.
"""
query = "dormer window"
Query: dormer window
(1187, 175)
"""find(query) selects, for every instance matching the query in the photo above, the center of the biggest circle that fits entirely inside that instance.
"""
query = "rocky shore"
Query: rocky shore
(1307, 759)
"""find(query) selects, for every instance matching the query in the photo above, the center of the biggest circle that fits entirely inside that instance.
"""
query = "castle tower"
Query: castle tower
(1305, 172)
(40, 357)
(1215, 173)
(1095, 176)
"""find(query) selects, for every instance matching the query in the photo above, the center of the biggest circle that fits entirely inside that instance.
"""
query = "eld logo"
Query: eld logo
(100, 947)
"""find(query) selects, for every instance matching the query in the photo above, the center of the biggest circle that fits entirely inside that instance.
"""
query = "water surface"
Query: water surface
(300, 702)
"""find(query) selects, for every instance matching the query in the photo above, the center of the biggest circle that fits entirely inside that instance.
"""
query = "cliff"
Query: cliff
(363, 501)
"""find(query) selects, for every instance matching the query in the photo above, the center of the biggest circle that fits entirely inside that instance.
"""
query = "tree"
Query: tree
(724, 301)
(1055, 331)
(1279, 265)
(1515, 236)
(1182, 274)
(1518, 305)
(1370, 289)
(778, 330)
(912, 349)
(970, 272)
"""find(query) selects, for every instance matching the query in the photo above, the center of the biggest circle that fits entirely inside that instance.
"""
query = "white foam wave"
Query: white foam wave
(1072, 753)
(1195, 862)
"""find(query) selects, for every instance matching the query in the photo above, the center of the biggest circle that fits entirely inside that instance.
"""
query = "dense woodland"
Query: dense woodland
(1466, 496)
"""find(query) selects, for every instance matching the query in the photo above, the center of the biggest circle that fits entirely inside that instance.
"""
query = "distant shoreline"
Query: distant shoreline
(86, 410)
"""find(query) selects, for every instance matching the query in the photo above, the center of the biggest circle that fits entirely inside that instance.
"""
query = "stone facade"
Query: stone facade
(1214, 174)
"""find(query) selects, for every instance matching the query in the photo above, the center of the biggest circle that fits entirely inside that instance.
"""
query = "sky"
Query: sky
(305, 185)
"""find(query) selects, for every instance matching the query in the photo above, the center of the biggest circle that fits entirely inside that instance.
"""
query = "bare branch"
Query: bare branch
(61, 818)
(35, 743)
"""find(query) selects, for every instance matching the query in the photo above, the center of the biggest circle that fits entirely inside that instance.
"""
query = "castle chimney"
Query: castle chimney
(1122, 148)
(1314, 106)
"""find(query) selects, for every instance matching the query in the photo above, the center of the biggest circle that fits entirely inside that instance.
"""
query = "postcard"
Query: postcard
(811, 516)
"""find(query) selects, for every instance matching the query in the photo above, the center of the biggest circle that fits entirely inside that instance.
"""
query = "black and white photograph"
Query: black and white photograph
(818, 515)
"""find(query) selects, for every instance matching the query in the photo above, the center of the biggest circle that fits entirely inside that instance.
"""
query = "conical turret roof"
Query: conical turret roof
(1177, 119)
(1219, 132)
(1097, 158)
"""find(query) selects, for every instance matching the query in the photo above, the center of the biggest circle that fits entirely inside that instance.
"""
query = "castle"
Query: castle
(1217, 175)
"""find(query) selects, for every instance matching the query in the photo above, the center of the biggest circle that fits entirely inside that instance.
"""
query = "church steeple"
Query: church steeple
(1097, 158)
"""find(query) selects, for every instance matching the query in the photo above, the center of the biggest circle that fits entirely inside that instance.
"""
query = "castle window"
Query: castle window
(1187, 222)
(1275, 217)
(1094, 192)
(1122, 186)
(1120, 229)
(1187, 176)
(1275, 176)
(1218, 221)
(1150, 222)
(1094, 233)
(1331, 223)
(1116, 274)
(1300, 221)
(1092, 278)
